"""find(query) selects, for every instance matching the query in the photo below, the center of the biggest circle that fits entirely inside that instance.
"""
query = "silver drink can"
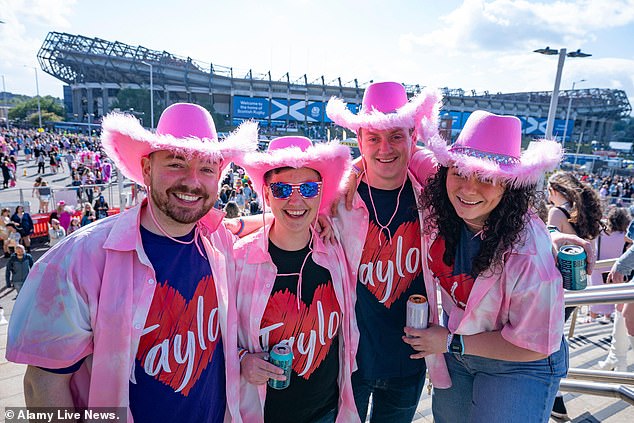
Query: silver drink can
(417, 312)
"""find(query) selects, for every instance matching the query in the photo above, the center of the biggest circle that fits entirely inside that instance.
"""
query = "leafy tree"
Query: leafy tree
(50, 106)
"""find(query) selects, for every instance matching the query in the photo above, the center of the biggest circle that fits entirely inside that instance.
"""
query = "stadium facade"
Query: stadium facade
(95, 70)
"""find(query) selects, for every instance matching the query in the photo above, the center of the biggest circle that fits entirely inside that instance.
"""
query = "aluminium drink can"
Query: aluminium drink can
(571, 261)
(417, 312)
(281, 356)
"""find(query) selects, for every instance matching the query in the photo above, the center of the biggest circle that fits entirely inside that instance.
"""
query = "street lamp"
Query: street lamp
(554, 98)
(37, 90)
(563, 141)
(4, 99)
(151, 93)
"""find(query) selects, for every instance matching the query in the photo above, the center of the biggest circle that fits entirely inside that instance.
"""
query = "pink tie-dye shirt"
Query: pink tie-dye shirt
(90, 296)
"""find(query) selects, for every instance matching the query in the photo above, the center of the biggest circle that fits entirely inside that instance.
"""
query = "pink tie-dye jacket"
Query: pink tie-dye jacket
(90, 296)
(354, 224)
(524, 301)
(255, 273)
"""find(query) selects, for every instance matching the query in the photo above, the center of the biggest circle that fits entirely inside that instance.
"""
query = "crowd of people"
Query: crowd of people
(173, 314)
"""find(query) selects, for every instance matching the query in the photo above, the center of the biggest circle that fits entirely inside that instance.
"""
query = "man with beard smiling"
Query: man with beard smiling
(134, 311)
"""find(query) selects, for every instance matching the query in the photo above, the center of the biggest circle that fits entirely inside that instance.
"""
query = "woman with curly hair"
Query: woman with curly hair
(502, 294)
(577, 211)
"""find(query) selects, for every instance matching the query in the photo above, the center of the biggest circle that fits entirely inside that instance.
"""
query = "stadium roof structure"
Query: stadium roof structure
(96, 69)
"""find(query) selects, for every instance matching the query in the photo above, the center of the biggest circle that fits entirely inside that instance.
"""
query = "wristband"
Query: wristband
(356, 170)
(241, 228)
(552, 228)
(242, 352)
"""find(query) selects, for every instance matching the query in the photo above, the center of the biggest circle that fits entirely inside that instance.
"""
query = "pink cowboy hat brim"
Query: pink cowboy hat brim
(125, 141)
(331, 160)
(421, 109)
(540, 157)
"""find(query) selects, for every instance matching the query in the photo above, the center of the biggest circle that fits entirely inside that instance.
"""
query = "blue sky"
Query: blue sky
(470, 44)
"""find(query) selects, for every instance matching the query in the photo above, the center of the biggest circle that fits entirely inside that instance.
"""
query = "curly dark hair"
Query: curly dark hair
(585, 206)
(501, 232)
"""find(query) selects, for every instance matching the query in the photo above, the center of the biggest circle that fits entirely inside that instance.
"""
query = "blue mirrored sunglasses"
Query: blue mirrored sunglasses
(283, 190)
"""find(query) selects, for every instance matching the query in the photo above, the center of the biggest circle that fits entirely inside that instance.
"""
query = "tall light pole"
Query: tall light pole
(555, 96)
(563, 141)
(37, 90)
(151, 93)
(4, 100)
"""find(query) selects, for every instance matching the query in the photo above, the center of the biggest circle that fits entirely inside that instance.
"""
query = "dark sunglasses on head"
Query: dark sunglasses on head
(283, 190)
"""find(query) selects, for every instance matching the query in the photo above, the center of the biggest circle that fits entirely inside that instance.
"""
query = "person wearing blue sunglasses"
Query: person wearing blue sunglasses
(294, 289)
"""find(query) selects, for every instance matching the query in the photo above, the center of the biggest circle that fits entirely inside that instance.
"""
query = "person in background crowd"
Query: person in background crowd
(13, 239)
(163, 264)
(232, 210)
(6, 173)
(23, 219)
(41, 163)
(285, 277)
(77, 184)
(44, 194)
(501, 291)
(611, 244)
(624, 267)
(18, 268)
(88, 216)
(384, 222)
(53, 161)
(74, 225)
(577, 210)
(101, 208)
(5, 217)
(55, 233)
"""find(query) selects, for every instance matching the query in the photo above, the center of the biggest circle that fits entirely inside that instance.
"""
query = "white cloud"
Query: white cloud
(520, 24)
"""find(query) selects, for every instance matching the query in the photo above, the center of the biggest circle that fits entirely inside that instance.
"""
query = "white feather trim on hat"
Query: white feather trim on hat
(125, 141)
(540, 157)
(424, 104)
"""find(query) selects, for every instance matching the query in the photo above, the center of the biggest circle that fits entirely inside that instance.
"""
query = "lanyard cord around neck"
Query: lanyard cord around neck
(164, 232)
(376, 216)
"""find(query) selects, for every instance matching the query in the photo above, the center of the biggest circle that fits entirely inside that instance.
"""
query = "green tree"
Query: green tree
(50, 107)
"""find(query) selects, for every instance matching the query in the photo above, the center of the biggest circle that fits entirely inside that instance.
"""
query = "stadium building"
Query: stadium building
(95, 71)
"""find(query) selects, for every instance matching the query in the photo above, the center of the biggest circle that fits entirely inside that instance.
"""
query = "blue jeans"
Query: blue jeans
(488, 390)
(394, 400)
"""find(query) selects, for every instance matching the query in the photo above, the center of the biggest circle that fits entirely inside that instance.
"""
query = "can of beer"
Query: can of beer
(417, 312)
(571, 261)
(281, 356)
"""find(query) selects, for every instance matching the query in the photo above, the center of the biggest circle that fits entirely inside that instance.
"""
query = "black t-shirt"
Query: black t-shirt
(313, 333)
(388, 275)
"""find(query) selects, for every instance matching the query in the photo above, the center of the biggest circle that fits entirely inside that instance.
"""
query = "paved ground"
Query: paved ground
(589, 345)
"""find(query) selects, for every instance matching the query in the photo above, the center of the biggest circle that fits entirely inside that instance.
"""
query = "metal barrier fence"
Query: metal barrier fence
(116, 195)
(599, 382)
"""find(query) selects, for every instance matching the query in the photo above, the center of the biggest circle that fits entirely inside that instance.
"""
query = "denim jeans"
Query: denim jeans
(394, 400)
(488, 390)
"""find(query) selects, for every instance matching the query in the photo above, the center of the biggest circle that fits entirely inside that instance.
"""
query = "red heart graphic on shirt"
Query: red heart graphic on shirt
(387, 271)
(311, 327)
(457, 286)
(173, 352)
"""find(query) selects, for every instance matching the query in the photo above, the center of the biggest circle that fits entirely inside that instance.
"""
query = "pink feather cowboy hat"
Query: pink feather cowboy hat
(385, 106)
(183, 127)
(331, 160)
(490, 146)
